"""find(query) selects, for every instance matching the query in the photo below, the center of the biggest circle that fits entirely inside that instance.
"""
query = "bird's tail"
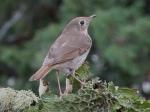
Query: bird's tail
(41, 73)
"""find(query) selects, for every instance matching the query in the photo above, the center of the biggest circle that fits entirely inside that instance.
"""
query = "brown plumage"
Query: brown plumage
(69, 50)
(40, 73)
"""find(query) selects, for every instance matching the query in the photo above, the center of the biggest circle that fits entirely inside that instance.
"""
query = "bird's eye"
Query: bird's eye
(82, 22)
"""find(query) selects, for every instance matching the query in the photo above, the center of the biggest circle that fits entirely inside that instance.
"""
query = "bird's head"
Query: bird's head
(79, 23)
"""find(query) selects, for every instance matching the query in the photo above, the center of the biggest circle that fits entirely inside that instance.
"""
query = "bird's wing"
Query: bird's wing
(64, 50)
(69, 56)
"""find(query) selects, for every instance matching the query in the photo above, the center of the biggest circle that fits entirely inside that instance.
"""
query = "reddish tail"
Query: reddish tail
(41, 73)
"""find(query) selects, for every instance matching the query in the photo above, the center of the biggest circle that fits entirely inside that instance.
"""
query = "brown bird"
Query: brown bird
(69, 51)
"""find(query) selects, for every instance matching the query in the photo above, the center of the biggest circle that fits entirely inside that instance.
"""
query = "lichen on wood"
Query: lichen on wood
(95, 96)
(14, 101)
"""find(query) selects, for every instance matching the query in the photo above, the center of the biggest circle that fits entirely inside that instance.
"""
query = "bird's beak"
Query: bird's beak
(93, 16)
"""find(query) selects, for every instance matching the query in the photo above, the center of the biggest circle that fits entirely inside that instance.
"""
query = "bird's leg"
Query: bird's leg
(69, 87)
(72, 72)
(57, 74)
(81, 82)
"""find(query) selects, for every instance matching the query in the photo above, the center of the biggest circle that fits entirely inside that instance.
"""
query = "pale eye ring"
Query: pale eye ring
(82, 22)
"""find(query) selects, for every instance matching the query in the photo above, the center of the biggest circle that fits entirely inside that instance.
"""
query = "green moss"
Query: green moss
(96, 96)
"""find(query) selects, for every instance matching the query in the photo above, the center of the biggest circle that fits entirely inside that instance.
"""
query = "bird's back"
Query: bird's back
(65, 49)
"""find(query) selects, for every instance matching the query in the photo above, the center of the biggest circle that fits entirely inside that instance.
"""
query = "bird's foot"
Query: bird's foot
(61, 95)
(81, 82)
(69, 87)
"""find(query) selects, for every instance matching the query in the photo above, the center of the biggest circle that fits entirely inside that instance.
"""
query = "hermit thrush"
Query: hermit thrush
(69, 51)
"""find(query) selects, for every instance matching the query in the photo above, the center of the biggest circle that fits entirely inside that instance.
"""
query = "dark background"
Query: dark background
(120, 34)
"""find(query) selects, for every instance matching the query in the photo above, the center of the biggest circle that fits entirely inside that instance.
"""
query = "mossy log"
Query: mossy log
(96, 96)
